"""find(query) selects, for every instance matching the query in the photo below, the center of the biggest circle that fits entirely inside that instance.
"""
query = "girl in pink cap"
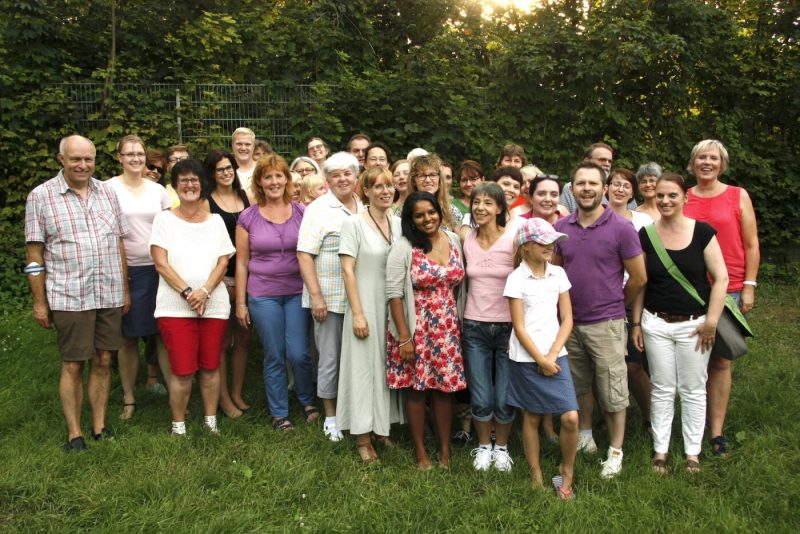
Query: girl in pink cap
(539, 378)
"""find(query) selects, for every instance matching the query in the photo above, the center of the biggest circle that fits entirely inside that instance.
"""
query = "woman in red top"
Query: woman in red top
(729, 210)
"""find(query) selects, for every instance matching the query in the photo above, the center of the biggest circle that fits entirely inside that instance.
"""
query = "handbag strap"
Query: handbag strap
(672, 269)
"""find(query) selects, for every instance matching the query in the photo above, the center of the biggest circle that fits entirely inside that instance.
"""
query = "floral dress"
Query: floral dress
(438, 363)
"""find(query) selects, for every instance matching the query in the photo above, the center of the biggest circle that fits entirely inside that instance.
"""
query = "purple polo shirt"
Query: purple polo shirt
(593, 261)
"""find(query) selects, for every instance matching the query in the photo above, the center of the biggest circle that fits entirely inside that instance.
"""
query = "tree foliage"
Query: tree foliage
(651, 77)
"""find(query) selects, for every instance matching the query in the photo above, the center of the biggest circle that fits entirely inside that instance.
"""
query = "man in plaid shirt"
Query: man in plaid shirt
(77, 272)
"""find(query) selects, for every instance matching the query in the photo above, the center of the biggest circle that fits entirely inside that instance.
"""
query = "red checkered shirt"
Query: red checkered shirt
(81, 244)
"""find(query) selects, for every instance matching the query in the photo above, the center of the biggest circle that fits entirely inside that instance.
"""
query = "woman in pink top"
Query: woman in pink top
(729, 210)
(489, 253)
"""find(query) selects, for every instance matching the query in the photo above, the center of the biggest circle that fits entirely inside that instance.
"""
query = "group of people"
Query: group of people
(386, 291)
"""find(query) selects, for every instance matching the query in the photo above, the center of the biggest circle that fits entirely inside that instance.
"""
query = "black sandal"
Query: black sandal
(311, 413)
(719, 446)
(283, 424)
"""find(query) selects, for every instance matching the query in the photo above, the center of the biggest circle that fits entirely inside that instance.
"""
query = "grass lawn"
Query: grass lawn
(252, 478)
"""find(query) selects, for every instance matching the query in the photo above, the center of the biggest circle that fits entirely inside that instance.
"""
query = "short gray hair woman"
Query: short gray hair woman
(646, 178)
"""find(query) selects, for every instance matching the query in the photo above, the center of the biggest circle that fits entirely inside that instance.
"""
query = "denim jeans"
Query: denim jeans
(282, 324)
(676, 366)
(486, 357)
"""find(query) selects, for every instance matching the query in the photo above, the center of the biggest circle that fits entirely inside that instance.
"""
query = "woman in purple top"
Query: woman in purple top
(269, 287)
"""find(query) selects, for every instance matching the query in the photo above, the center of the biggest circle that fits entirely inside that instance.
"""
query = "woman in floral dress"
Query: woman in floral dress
(424, 272)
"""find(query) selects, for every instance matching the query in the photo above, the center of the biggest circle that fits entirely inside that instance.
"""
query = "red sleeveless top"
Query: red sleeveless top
(723, 213)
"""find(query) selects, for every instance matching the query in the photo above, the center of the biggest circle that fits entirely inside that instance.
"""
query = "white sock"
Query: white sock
(211, 421)
(485, 446)
(587, 432)
(330, 421)
(179, 427)
(612, 450)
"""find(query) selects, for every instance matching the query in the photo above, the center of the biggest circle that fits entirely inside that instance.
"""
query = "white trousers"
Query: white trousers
(675, 365)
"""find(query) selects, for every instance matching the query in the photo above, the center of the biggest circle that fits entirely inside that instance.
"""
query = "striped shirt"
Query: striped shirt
(81, 244)
(319, 236)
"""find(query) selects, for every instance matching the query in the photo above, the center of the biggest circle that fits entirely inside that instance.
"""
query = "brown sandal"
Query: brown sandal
(660, 466)
(692, 466)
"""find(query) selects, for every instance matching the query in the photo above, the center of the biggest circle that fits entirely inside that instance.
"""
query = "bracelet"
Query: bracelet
(750, 283)
(204, 290)
(406, 342)
(185, 292)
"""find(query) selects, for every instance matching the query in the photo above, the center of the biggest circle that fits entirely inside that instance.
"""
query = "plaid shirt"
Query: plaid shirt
(81, 244)
(319, 236)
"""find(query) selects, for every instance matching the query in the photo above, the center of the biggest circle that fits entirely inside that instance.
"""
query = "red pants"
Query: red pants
(192, 342)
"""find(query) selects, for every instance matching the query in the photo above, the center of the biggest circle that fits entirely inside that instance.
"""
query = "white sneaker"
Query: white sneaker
(586, 444)
(483, 458)
(612, 466)
(502, 460)
(332, 433)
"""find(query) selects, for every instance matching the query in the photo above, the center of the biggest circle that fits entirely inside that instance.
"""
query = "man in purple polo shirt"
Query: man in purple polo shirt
(601, 246)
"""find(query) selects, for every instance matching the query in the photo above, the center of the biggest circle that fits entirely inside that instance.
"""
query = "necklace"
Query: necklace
(378, 226)
(224, 203)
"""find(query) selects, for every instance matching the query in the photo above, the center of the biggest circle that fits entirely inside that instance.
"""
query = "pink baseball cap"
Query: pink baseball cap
(539, 231)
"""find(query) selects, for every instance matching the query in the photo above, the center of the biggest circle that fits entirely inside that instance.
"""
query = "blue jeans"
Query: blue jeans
(486, 356)
(282, 324)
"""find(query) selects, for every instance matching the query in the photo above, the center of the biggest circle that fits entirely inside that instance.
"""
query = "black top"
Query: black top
(230, 220)
(663, 293)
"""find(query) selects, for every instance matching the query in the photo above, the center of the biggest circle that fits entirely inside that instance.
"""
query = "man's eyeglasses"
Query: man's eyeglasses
(176, 159)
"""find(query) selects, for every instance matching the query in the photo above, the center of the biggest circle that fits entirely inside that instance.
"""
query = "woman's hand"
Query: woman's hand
(319, 309)
(360, 326)
(407, 352)
(706, 334)
(747, 299)
(638, 338)
(197, 299)
(243, 315)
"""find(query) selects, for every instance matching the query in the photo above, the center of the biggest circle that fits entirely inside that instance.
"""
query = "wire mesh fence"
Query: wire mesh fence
(201, 114)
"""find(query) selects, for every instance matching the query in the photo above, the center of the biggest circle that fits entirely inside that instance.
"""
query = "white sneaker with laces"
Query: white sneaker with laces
(482, 458)
(586, 444)
(502, 460)
(332, 433)
(612, 466)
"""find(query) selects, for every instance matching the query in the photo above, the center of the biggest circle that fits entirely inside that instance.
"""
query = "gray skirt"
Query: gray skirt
(533, 392)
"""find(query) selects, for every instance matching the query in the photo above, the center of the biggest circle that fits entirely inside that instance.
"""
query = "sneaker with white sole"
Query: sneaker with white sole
(332, 433)
(482, 458)
(612, 466)
(502, 460)
(586, 444)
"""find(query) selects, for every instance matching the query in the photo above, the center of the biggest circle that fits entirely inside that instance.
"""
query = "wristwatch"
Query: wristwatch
(185, 292)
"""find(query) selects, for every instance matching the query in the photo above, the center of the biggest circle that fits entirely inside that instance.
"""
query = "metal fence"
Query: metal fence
(197, 113)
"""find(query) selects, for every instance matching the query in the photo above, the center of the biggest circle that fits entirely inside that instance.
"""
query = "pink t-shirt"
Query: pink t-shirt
(487, 272)
(140, 210)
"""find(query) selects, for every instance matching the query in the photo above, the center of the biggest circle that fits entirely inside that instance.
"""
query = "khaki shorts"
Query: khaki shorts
(597, 358)
(81, 334)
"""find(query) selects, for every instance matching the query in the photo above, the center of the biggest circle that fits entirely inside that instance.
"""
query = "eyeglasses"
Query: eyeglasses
(151, 167)
(465, 179)
(223, 170)
(176, 159)
(187, 181)
(137, 155)
(430, 176)
(625, 186)
(648, 181)
(305, 171)
(316, 147)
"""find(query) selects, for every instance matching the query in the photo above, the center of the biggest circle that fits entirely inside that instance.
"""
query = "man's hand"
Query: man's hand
(41, 314)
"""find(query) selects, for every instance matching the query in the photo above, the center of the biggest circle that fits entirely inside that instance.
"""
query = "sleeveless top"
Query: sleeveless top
(230, 220)
(487, 272)
(723, 213)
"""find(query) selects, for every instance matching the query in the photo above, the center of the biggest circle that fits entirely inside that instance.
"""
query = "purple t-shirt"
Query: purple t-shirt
(593, 261)
(273, 270)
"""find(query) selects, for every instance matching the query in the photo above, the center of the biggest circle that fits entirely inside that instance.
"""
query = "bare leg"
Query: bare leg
(128, 357)
(443, 408)
(180, 387)
(586, 407)
(569, 446)
(209, 390)
(241, 337)
(71, 391)
(365, 449)
(530, 443)
(225, 402)
(483, 429)
(99, 386)
(152, 374)
(501, 433)
(718, 389)
(415, 411)
(330, 407)
(615, 421)
(163, 361)
(639, 386)
(547, 426)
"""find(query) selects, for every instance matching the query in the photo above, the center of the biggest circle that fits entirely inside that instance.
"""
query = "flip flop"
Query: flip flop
(565, 494)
